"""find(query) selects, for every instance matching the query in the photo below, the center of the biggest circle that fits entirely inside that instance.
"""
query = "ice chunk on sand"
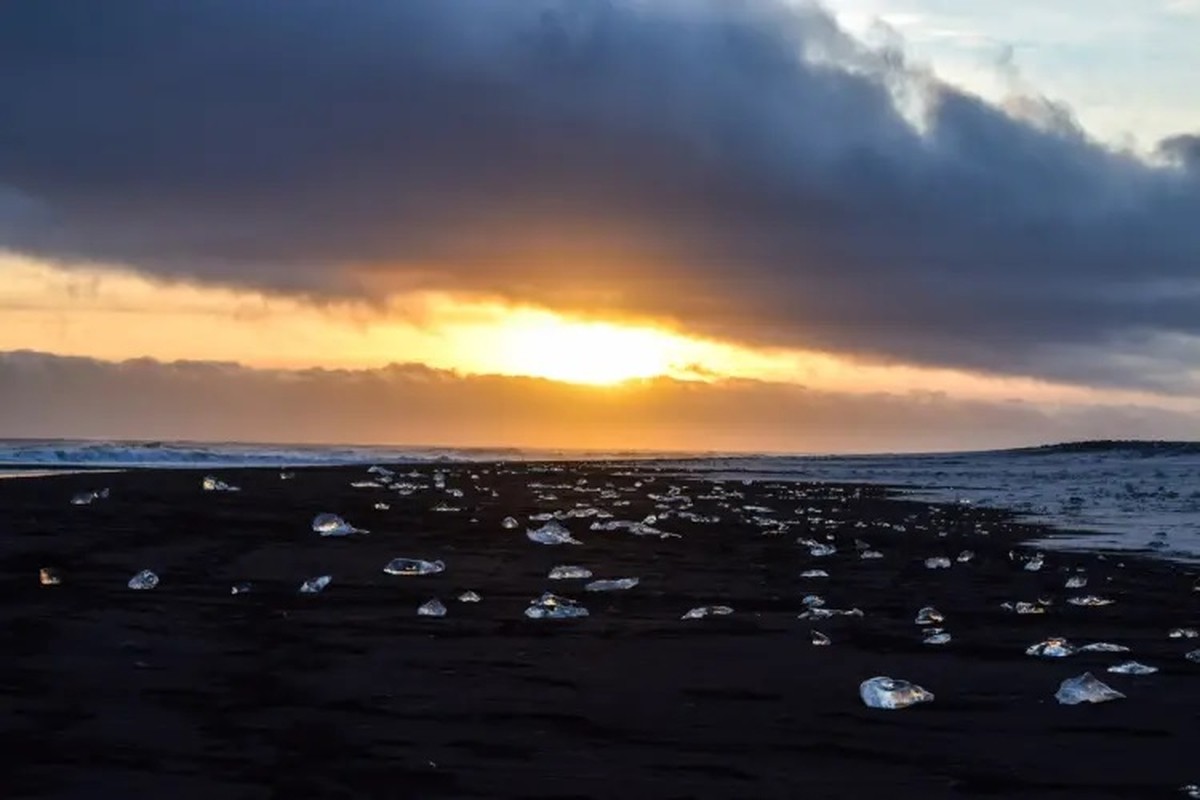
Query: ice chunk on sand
(433, 608)
(613, 585)
(315, 585)
(565, 572)
(819, 639)
(965, 556)
(333, 525)
(413, 566)
(1022, 607)
(469, 597)
(1085, 689)
(143, 580)
(48, 576)
(1133, 668)
(938, 562)
(509, 524)
(1090, 600)
(1193, 656)
(826, 613)
(87, 498)
(239, 588)
(1054, 647)
(814, 573)
(211, 484)
(1102, 647)
(1077, 581)
(891, 693)
(551, 533)
(700, 612)
(1183, 633)
(929, 616)
(935, 636)
(551, 606)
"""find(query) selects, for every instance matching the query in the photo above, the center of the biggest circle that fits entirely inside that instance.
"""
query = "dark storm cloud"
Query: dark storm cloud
(42, 395)
(1183, 149)
(741, 167)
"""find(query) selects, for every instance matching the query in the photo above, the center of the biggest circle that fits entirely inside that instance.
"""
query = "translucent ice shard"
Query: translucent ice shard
(1022, 607)
(433, 608)
(87, 498)
(566, 572)
(1133, 668)
(826, 613)
(814, 573)
(929, 616)
(413, 566)
(820, 550)
(286, 476)
(48, 576)
(239, 588)
(143, 580)
(1054, 647)
(613, 585)
(211, 484)
(891, 693)
(1085, 689)
(1034, 564)
(819, 639)
(935, 636)
(1077, 581)
(469, 597)
(867, 555)
(1090, 600)
(700, 612)
(509, 523)
(1102, 647)
(965, 556)
(1183, 633)
(551, 533)
(813, 601)
(551, 606)
(382, 507)
(937, 562)
(333, 525)
(1193, 656)
(315, 585)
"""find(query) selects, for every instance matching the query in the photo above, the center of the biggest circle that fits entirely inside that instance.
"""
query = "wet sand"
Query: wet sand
(187, 691)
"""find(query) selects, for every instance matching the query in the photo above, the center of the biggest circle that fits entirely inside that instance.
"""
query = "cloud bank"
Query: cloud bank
(43, 395)
(743, 168)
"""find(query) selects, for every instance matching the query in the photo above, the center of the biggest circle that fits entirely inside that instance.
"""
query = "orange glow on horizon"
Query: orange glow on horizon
(116, 315)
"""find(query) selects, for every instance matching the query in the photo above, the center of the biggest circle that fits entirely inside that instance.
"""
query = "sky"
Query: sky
(747, 225)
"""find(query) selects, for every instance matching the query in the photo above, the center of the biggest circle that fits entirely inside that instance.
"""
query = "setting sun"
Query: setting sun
(598, 353)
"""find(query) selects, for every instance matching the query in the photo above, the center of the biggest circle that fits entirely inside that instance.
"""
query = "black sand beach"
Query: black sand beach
(187, 691)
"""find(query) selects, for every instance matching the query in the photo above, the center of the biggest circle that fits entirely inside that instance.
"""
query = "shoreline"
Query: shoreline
(1055, 535)
(189, 690)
